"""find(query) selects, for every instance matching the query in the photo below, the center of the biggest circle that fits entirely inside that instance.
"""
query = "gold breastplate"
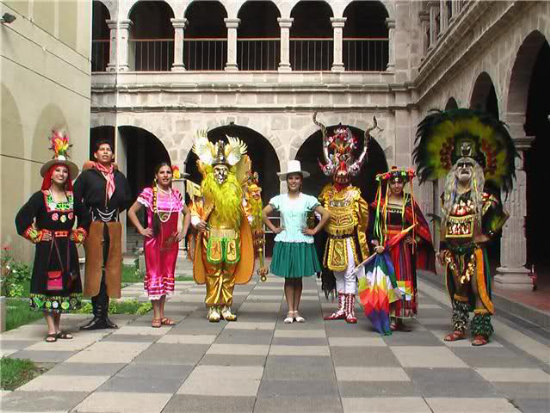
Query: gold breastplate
(342, 220)
(460, 226)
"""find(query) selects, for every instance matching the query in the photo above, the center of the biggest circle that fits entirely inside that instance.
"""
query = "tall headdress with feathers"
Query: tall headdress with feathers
(443, 138)
(232, 154)
(60, 145)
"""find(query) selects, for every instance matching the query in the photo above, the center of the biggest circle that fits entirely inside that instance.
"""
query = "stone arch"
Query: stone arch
(264, 157)
(275, 3)
(100, 36)
(147, 151)
(451, 104)
(310, 153)
(484, 96)
(111, 6)
(520, 76)
(128, 7)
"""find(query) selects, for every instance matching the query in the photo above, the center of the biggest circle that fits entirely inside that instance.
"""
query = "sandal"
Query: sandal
(165, 321)
(479, 341)
(51, 338)
(63, 335)
(455, 336)
(156, 323)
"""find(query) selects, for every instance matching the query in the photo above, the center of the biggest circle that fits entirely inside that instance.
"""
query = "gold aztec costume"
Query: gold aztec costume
(346, 245)
(224, 253)
(476, 153)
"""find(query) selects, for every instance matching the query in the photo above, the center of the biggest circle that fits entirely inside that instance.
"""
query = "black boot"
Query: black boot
(98, 322)
(106, 319)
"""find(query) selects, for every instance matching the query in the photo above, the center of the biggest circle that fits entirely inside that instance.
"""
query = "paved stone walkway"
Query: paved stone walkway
(259, 364)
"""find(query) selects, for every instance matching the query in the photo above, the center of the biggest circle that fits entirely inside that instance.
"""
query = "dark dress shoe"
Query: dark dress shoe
(95, 323)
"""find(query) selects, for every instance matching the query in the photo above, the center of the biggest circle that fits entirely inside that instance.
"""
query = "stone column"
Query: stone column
(424, 18)
(443, 15)
(232, 25)
(434, 30)
(512, 273)
(338, 43)
(122, 44)
(113, 27)
(179, 27)
(390, 23)
(455, 9)
(285, 24)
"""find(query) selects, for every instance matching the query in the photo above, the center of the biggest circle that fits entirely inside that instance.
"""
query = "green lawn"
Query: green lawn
(18, 313)
(130, 275)
(122, 307)
(16, 372)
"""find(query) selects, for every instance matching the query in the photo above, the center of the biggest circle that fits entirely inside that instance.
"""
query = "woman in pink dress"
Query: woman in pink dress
(165, 229)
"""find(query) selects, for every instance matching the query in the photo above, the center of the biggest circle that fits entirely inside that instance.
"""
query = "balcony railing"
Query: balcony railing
(311, 54)
(360, 54)
(258, 54)
(205, 54)
(100, 55)
(154, 55)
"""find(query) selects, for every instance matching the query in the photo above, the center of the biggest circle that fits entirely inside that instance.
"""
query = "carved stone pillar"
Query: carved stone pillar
(232, 25)
(512, 273)
(434, 27)
(179, 27)
(390, 23)
(424, 18)
(444, 15)
(338, 43)
(112, 25)
(285, 24)
(123, 45)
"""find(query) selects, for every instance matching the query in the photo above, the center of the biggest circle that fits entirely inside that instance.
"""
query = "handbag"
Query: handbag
(55, 281)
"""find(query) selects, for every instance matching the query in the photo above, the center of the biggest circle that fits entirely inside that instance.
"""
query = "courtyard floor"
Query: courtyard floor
(260, 364)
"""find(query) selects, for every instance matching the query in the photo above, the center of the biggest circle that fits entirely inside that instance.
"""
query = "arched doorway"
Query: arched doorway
(366, 43)
(100, 37)
(484, 98)
(258, 43)
(151, 43)
(311, 152)
(451, 104)
(537, 125)
(311, 36)
(264, 161)
(263, 156)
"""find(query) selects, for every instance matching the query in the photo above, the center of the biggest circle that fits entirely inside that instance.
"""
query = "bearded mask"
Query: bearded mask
(220, 173)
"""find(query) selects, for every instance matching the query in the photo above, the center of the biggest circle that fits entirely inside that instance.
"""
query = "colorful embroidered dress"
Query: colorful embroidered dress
(55, 282)
(294, 255)
(161, 251)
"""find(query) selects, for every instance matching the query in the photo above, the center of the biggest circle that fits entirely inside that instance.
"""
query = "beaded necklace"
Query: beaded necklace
(163, 217)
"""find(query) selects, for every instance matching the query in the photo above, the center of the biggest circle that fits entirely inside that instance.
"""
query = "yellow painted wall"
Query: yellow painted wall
(45, 83)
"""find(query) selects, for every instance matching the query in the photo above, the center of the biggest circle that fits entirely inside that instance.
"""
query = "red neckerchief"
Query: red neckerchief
(109, 175)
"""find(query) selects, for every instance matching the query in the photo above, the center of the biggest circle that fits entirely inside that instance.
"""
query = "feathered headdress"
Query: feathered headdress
(444, 137)
(219, 153)
(60, 145)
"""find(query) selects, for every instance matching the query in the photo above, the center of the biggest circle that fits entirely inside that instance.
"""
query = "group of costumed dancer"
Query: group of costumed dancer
(372, 251)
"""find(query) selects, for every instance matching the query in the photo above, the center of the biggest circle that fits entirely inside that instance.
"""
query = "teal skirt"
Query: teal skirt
(294, 260)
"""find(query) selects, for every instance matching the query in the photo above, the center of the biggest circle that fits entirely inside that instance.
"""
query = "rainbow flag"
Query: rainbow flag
(377, 290)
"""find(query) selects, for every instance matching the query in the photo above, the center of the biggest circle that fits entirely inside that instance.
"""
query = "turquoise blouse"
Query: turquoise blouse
(294, 216)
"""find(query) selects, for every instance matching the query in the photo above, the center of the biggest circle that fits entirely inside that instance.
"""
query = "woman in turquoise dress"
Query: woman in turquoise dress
(294, 255)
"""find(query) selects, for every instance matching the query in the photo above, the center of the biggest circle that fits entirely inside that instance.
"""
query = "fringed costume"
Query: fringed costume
(476, 153)
(106, 193)
(414, 251)
(224, 253)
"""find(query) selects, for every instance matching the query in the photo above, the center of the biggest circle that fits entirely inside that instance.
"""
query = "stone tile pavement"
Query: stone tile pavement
(260, 364)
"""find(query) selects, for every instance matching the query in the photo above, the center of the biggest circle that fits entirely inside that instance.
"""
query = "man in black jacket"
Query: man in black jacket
(104, 190)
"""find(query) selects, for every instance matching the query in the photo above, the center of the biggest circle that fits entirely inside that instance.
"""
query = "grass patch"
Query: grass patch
(18, 313)
(122, 307)
(130, 274)
(184, 278)
(16, 372)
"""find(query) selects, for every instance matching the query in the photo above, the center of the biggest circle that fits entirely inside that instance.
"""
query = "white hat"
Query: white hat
(293, 167)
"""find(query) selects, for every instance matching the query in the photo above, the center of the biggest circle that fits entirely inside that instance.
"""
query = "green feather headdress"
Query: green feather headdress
(444, 137)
